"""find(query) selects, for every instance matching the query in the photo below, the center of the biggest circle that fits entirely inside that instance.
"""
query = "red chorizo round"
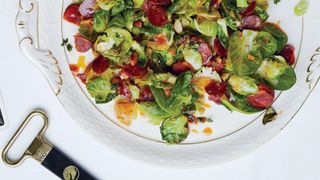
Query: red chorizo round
(181, 66)
(100, 65)
(263, 99)
(157, 15)
(288, 53)
(134, 71)
(82, 44)
(251, 22)
(216, 90)
(146, 94)
(72, 14)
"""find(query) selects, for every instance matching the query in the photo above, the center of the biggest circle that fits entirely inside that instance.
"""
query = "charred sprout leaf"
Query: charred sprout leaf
(301, 8)
(86, 30)
(243, 85)
(269, 116)
(242, 54)
(175, 130)
(262, 13)
(99, 89)
(277, 73)
(111, 97)
(100, 20)
(278, 34)
(115, 45)
(164, 57)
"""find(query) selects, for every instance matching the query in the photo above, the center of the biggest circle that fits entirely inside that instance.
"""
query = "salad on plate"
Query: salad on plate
(166, 58)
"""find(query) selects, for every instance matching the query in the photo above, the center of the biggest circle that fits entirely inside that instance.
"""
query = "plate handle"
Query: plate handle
(314, 69)
(27, 22)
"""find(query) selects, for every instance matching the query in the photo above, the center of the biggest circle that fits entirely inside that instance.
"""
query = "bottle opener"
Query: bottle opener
(45, 153)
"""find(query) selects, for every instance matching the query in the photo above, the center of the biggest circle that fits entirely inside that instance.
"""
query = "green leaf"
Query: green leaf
(262, 13)
(142, 61)
(138, 3)
(161, 98)
(163, 80)
(243, 85)
(207, 27)
(223, 33)
(278, 34)
(239, 104)
(100, 20)
(106, 4)
(265, 43)
(242, 55)
(117, 22)
(115, 45)
(193, 57)
(242, 3)
(278, 74)
(231, 23)
(153, 111)
(175, 130)
(118, 7)
(183, 84)
(129, 17)
(181, 94)
(86, 30)
(164, 57)
(99, 89)
(301, 8)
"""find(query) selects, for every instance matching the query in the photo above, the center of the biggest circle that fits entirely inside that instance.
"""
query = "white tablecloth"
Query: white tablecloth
(293, 154)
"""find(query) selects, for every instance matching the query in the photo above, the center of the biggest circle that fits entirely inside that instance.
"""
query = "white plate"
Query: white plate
(41, 30)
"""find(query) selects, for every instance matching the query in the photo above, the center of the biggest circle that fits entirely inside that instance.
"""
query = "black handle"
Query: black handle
(62, 166)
